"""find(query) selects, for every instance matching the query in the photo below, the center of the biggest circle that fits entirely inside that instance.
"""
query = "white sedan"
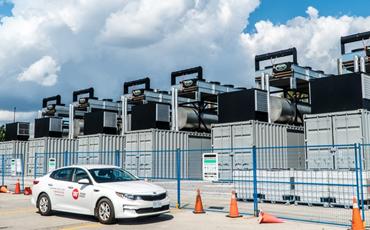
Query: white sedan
(107, 192)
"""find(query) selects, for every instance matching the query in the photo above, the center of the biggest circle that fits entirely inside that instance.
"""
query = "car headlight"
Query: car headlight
(128, 196)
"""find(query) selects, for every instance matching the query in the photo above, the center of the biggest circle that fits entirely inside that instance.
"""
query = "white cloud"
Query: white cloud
(312, 12)
(8, 116)
(78, 43)
(43, 72)
(317, 39)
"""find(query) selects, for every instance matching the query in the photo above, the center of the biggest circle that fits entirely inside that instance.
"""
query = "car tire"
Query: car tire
(105, 211)
(44, 205)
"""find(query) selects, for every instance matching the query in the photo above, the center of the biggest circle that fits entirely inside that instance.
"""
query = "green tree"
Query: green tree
(2, 133)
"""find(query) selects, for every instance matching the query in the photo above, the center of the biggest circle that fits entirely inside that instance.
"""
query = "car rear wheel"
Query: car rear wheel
(105, 211)
(44, 205)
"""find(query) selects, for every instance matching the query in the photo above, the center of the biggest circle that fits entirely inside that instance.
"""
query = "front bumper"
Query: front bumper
(140, 208)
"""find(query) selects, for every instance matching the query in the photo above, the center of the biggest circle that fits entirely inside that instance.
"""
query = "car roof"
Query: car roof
(92, 166)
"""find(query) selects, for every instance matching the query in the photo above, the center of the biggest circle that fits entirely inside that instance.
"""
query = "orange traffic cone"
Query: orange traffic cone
(198, 209)
(234, 212)
(264, 218)
(3, 189)
(357, 223)
(17, 188)
(27, 191)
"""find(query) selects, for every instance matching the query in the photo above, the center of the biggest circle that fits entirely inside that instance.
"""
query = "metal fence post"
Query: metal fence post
(116, 158)
(255, 195)
(357, 177)
(3, 169)
(35, 167)
(22, 165)
(65, 158)
(361, 183)
(178, 175)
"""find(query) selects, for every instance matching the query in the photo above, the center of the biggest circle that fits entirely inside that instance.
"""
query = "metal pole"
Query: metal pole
(268, 97)
(65, 158)
(71, 120)
(178, 169)
(357, 179)
(255, 195)
(3, 169)
(340, 66)
(117, 158)
(362, 65)
(361, 182)
(176, 110)
(124, 115)
(355, 63)
(22, 167)
(35, 166)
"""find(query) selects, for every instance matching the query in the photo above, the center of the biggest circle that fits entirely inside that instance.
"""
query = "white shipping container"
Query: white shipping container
(14, 148)
(49, 147)
(152, 153)
(340, 128)
(228, 137)
(101, 149)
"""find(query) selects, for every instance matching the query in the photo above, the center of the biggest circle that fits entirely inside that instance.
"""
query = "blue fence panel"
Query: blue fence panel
(275, 179)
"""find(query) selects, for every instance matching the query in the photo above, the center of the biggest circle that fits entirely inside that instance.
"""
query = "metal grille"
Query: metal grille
(154, 197)
(150, 210)
(110, 120)
(261, 101)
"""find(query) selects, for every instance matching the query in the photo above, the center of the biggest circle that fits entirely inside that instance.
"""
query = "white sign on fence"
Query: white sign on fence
(15, 166)
(52, 164)
(210, 167)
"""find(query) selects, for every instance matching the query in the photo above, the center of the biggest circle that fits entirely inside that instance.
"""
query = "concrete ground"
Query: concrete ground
(16, 212)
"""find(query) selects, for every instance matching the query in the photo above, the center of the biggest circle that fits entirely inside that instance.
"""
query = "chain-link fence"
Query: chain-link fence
(307, 183)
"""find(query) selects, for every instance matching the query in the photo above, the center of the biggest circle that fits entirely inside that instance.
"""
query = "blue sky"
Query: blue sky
(5, 8)
(280, 11)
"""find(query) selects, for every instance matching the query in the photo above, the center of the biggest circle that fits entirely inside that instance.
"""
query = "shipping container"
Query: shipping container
(234, 142)
(44, 148)
(152, 153)
(14, 148)
(331, 129)
(101, 149)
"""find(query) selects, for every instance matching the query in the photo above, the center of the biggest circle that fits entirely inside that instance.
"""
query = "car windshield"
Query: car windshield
(106, 175)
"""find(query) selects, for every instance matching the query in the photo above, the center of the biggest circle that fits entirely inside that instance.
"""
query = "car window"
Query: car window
(106, 175)
(63, 174)
(80, 174)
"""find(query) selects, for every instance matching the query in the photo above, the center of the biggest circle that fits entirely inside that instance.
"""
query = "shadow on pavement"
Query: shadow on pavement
(137, 221)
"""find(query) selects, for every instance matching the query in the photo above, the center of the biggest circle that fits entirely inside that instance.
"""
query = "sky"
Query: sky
(50, 47)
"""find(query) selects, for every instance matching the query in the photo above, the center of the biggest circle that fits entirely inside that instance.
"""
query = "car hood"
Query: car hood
(134, 187)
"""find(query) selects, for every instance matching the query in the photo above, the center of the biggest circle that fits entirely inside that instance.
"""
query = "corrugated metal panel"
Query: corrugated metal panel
(341, 128)
(319, 131)
(244, 135)
(100, 149)
(48, 147)
(151, 153)
(14, 147)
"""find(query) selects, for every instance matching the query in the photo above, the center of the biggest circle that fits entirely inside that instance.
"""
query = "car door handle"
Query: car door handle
(50, 184)
(96, 190)
(70, 187)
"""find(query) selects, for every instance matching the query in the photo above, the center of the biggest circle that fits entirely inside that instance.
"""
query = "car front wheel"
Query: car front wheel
(44, 205)
(105, 211)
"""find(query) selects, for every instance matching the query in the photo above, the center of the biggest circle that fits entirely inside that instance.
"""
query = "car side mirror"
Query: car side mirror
(83, 181)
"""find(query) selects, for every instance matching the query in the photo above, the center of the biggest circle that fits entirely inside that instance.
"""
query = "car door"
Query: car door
(58, 187)
(82, 198)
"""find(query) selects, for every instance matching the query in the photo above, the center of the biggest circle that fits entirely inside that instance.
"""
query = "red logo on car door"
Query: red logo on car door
(75, 193)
